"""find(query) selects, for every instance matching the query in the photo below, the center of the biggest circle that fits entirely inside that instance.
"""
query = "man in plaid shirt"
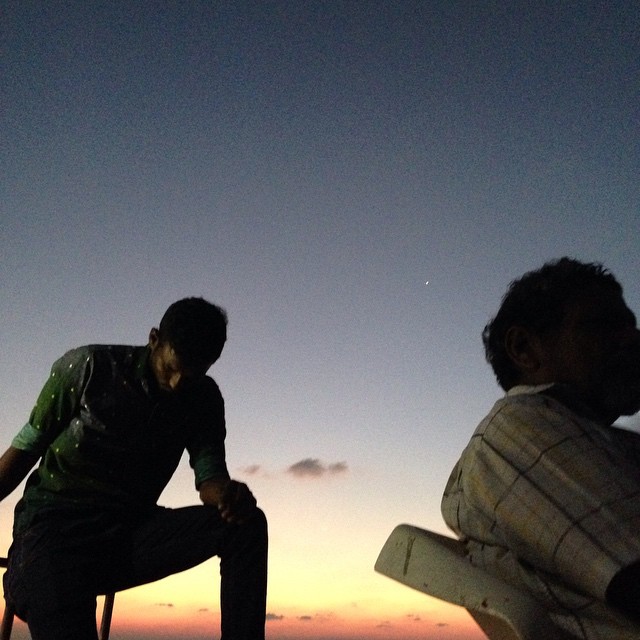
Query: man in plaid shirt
(547, 492)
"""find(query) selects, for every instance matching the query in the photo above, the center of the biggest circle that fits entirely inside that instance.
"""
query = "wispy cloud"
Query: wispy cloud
(318, 618)
(314, 468)
(252, 469)
(305, 468)
(274, 616)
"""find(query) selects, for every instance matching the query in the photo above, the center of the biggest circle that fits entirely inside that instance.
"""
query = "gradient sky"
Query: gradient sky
(310, 166)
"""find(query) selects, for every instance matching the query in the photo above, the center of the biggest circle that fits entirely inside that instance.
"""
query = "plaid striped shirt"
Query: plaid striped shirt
(549, 499)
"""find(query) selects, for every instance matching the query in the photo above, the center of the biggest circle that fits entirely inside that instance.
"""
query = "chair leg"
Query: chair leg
(7, 622)
(105, 625)
(107, 611)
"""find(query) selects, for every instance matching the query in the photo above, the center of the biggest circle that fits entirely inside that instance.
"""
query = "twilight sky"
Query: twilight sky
(356, 182)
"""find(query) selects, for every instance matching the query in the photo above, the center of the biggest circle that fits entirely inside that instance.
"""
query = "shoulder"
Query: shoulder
(208, 391)
(113, 353)
(72, 363)
(98, 357)
(530, 405)
(201, 398)
(89, 351)
(75, 355)
(204, 406)
(524, 425)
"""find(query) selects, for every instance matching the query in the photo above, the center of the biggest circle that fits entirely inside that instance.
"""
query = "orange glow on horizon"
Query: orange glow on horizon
(140, 618)
(417, 618)
(320, 626)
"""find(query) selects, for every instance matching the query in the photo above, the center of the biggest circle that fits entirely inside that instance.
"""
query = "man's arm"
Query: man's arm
(15, 464)
(233, 499)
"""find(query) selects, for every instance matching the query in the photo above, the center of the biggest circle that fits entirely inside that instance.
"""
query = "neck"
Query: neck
(580, 404)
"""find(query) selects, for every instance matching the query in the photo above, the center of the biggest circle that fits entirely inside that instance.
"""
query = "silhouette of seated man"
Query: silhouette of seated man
(109, 429)
(547, 493)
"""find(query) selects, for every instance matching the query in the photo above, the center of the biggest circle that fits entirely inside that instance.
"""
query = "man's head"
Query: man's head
(189, 339)
(568, 323)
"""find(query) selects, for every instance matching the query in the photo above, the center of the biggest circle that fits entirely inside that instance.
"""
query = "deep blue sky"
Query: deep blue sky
(310, 166)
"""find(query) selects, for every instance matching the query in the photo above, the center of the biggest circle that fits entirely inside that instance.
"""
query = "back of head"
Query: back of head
(196, 329)
(538, 301)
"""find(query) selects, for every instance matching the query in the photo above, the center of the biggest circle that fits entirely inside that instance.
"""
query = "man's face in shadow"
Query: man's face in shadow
(596, 351)
(171, 374)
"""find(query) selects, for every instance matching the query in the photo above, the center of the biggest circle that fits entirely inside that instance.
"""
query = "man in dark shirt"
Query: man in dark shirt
(109, 428)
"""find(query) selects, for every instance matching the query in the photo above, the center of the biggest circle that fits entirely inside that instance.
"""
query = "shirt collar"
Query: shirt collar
(562, 393)
(529, 389)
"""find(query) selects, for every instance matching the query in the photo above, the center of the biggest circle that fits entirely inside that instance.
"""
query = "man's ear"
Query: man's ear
(523, 346)
(154, 338)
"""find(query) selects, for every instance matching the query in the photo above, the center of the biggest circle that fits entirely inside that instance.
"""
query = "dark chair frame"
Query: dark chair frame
(9, 615)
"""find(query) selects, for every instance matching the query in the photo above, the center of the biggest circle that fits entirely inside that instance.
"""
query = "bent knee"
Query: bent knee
(259, 520)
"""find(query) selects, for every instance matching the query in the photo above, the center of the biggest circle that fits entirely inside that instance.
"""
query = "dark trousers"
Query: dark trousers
(61, 563)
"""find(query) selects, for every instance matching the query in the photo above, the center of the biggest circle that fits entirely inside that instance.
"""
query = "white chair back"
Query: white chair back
(437, 565)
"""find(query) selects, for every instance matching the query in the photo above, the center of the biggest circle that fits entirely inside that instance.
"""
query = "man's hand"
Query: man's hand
(237, 503)
(234, 500)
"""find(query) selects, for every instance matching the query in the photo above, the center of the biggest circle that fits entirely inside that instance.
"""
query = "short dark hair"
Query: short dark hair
(538, 301)
(196, 329)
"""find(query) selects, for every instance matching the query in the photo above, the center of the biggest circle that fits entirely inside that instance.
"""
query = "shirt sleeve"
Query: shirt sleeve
(560, 492)
(206, 448)
(57, 403)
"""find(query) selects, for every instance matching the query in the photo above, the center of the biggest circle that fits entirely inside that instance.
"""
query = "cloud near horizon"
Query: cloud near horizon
(313, 468)
(305, 468)
(274, 616)
(252, 469)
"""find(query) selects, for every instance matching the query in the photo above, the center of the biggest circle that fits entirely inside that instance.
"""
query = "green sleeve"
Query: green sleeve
(209, 463)
(57, 403)
(206, 448)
